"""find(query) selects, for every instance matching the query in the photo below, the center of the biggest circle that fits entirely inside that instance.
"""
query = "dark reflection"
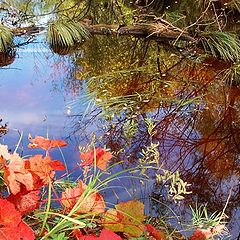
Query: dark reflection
(7, 58)
(65, 50)
(192, 103)
(3, 128)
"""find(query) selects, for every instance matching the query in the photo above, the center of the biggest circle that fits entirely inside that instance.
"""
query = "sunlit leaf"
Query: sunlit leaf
(15, 175)
(102, 157)
(93, 202)
(127, 218)
(45, 143)
(43, 167)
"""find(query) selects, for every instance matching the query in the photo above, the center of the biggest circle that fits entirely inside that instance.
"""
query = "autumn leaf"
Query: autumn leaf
(4, 155)
(201, 234)
(204, 234)
(158, 235)
(45, 143)
(16, 175)
(104, 235)
(25, 202)
(11, 225)
(127, 218)
(24, 232)
(93, 202)
(43, 167)
(9, 216)
(102, 157)
(20, 232)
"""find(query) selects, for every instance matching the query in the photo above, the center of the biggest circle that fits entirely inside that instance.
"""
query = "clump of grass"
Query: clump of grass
(6, 38)
(232, 75)
(201, 217)
(66, 33)
(222, 44)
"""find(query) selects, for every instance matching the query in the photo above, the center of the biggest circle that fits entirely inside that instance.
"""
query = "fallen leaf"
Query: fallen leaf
(107, 234)
(9, 216)
(127, 218)
(92, 203)
(43, 167)
(25, 232)
(25, 202)
(158, 235)
(45, 143)
(201, 234)
(104, 235)
(20, 232)
(102, 157)
(16, 175)
(204, 234)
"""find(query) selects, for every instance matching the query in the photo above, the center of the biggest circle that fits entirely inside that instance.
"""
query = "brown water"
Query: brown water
(191, 102)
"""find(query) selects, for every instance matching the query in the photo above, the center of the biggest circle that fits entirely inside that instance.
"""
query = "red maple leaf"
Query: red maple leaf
(102, 157)
(104, 235)
(11, 225)
(25, 202)
(9, 216)
(43, 168)
(45, 143)
(93, 203)
(20, 232)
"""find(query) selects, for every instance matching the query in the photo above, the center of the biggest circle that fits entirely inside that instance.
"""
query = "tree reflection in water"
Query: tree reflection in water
(191, 101)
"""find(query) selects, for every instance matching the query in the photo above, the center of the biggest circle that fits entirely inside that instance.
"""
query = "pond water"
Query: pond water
(138, 93)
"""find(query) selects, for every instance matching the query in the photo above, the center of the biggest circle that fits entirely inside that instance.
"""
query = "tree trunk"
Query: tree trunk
(156, 31)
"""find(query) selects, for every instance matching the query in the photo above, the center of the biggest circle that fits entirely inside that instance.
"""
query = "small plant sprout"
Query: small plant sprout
(208, 225)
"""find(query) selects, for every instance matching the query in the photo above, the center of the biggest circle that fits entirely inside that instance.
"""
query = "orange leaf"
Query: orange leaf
(102, 157)
(45, 143)
(43, 167)
(93, 203)
(158, 235)
(16, 175)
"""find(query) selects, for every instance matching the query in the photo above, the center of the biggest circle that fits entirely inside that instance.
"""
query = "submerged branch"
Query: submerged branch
(155, 31)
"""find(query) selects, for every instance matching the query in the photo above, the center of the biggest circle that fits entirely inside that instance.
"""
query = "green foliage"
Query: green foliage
(130, 128)
(201, 217)
(6, 38)
(59, 236)
(66, 33)
(232, 75)
(222, 44)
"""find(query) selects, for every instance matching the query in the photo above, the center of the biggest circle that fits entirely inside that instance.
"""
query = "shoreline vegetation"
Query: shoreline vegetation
(29, 189)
